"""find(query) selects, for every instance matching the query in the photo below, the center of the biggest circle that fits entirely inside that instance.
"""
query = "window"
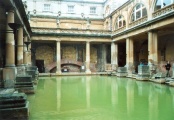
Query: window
(47, 7)
(138, 12)
(92, 10)
(120, 22)
(162, 3)
(71, 9)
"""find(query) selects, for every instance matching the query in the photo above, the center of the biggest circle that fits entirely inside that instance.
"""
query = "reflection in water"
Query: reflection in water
(100, 98)
(130, 96)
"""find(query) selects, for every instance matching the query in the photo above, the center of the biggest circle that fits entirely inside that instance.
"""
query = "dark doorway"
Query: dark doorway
(40, 65)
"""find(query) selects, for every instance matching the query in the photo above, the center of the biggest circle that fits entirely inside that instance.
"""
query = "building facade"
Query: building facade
(83, 34)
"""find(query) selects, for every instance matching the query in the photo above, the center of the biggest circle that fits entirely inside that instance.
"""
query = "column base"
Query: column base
(9, 76)
(88, 71)
(20, 69)
(9, 65)
(58, 72)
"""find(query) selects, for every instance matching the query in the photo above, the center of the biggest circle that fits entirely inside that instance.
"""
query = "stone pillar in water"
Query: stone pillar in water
(153, 50)
(58, 58)
(130, 56)
(114, 55)
(88, 71)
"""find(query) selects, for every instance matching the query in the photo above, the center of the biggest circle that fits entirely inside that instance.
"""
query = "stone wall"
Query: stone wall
(69, 52)
(45, 53)
(66, 24)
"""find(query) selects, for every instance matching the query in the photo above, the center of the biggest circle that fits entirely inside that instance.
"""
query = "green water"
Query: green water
(100, 98)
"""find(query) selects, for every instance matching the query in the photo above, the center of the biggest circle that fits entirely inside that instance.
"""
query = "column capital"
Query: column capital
(58, 40)
(88, 41)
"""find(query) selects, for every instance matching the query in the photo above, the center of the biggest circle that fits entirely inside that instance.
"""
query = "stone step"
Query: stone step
(26, 78)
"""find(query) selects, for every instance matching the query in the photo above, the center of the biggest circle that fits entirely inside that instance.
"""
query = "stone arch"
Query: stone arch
(131, 11)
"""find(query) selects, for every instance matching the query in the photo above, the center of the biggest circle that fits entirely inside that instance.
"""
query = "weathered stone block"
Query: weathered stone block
(143, 69)
(122, 69)
(20, 70)
(9, 76)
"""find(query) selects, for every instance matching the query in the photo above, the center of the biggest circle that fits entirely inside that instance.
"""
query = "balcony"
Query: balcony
(163, 11)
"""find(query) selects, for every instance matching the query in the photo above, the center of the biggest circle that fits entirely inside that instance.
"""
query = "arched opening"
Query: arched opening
(120, 22)
(138, 12)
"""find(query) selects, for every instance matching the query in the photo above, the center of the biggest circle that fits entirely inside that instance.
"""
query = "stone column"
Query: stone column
(29, 55)
(20, 47)
(152, 47)
(20, 50)
(88, 57)
(25, 54)
(58, 58)
(9, 72)
(130, 56)
(114, 55)
(129, 51)
(10, 50)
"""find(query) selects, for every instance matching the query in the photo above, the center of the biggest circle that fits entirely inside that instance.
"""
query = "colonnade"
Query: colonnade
(14, 57)
(58, 49)
(152, 37)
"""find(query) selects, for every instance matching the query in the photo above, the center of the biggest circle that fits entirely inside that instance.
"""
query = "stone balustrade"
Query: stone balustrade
(163, 11)
(137, 22)
(119, 30)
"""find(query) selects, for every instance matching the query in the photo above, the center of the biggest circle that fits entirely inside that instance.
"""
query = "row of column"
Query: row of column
(22, 53)
(152, 50)
(12, 59)
(87, 58)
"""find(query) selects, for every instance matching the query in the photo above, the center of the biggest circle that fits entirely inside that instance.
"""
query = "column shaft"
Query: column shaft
(58, 58)
(153, 47)
(29, 55)
(88, 57)
(129, 51)
(25, 54)
(20, 47)
(10, 50)
(114, 55)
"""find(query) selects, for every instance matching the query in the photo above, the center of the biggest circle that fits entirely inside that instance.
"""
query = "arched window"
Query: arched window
(162, 3)
(120, 22)
(139, 11)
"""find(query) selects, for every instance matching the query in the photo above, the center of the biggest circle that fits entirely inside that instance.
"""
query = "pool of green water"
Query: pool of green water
(100, 98)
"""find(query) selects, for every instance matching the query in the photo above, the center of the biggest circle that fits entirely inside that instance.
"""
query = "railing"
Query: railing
(72, 31)
(163, 11)
(137, 22)
(119, 30)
